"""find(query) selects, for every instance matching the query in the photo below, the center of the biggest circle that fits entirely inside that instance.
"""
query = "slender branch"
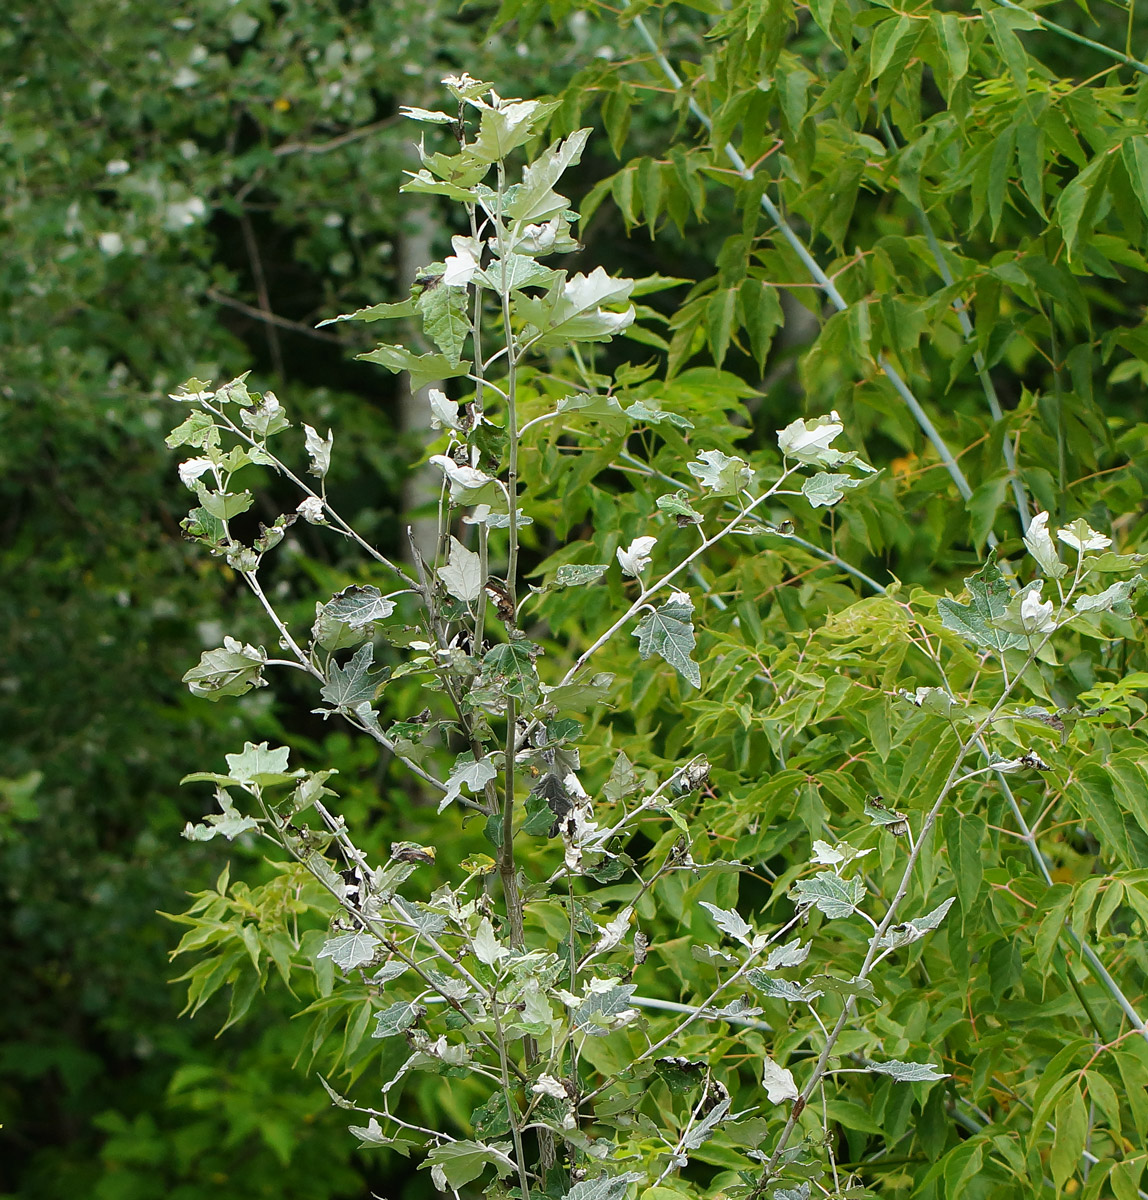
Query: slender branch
(1052, 27)
(261, 291)
(871, 955)
(287, 473)
(260, 314)
(1094, 962)
(506, 863)
(669, 577)
(511, 1115)
(305, 664)
(820, 551)
(693, 1013)
(335, 143)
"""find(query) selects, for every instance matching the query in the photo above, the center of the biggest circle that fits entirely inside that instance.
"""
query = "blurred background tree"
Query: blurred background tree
(182, 187)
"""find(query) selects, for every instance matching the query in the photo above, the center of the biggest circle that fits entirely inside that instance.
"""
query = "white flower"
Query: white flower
(191, 470)
(637, 558)
(808, 441)
(1081, 536)
(181, 214)
(184, 78)
(117, 166)
(1042, 548)
(110, 243)
(311, 510)
(462, 265)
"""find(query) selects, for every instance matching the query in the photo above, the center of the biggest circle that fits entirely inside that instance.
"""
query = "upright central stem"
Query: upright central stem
(511, 404)
(479, 404)
(506, 864)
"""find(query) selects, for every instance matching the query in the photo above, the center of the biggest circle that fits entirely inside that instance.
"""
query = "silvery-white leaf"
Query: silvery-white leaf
(721, 474)
(774, 988)
(547, 1085)
(1026, 614)
(1112, 599)
(729, 922)
(466, 483)
(371, 1134)
(604, 1007)
(908, 1072)
(444, 411)
(916, 927)
(708, 954)
(808, 441)
(358, 606)
(462, 575)
(350, 950)
(388, 971)
(1043, 549)
(792, 954)
(487, 948)
(1081, 537)
(668, 631)
(614, 931)
(824, 854)
(833, 896)
(931, 699)
(825, 489)
(462, 265)
(637, 558)
(703, 1130)
(735, 1010)
(397, 1018)
(431, 117)
(319, 451)
(604, 1187)
(778, 1083)
(310, 508)
(467, 773)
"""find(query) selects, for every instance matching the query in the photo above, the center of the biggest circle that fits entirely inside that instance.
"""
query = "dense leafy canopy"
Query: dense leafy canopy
(924, 231)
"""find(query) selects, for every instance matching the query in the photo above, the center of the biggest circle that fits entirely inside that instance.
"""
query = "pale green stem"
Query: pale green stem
(1052, 27)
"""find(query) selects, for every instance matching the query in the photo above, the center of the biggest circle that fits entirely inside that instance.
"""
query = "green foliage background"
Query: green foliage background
(263, 160)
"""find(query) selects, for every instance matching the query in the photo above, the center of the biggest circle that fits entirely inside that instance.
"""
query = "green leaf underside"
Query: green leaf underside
(669, 632)
(830, 894)
(351, 685)
(989, 594)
